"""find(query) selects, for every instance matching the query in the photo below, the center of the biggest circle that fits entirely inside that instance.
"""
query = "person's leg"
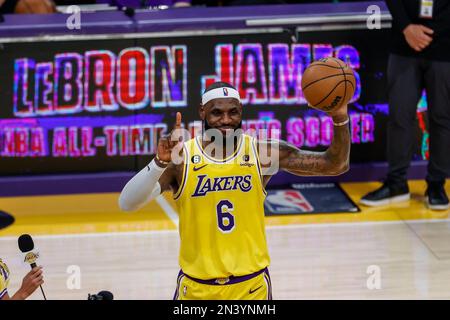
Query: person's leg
(437, 82)
(405, 82)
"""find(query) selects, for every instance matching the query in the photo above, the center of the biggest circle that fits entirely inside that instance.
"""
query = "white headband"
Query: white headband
(217, 93)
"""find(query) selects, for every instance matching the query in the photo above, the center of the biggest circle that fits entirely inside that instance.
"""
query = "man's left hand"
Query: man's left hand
(340, 114)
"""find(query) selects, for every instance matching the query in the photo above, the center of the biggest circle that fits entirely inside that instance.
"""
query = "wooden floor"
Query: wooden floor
(313, 256)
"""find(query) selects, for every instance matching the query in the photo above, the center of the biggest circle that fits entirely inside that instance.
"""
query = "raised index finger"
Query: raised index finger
(178, 121)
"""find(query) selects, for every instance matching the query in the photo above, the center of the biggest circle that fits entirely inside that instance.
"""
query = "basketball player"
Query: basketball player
(220, 199)
(30, 283)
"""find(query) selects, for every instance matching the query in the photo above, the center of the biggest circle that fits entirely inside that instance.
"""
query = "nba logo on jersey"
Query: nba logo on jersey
(225, 92)
(287, 201)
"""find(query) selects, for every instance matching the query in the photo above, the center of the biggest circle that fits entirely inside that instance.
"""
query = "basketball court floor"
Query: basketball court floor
(394, 252)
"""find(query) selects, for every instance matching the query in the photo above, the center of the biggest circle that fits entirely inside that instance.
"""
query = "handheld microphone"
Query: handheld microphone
(102, 295)
(26, 245)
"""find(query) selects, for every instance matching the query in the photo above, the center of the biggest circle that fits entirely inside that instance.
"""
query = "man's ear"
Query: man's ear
(201, 111)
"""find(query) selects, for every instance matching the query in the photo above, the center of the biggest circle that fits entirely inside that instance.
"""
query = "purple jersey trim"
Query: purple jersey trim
(269, 282)
(231, 279)
(177, 290)
(3, 293)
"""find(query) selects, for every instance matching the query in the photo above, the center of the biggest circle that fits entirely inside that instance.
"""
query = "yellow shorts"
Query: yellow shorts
(256, 286)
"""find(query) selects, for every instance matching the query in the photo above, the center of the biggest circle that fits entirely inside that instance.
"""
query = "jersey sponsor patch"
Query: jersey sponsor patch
(246, 164)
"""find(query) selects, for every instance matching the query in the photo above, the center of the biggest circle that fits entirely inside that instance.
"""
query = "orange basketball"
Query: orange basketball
(328, 83)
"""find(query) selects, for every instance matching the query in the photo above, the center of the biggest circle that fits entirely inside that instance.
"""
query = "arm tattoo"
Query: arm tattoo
(333, 161)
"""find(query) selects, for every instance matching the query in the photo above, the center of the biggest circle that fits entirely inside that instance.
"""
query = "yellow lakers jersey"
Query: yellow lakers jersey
(4, 278)
(221, 207)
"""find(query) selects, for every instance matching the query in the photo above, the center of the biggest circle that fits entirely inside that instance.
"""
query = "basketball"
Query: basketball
(328, 83)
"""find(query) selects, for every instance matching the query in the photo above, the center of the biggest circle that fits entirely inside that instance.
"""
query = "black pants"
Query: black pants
(407, 76)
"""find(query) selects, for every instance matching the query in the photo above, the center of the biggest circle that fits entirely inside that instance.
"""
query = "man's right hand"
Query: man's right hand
(30, 283)
(418, 36)
(168, 142)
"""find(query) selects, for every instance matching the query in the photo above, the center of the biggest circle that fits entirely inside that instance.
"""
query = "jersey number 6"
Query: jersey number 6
(224, 218)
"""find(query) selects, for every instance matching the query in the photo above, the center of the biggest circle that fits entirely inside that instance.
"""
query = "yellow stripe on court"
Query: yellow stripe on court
(79, 213)
(99, 213)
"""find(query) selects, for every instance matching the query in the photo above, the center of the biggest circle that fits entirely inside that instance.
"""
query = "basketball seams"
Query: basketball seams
(324, 65)
(331, 91)
(345, 80)
(351, 84)
(327, 77)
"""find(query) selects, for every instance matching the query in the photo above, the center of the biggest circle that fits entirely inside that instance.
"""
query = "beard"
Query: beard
(217, 137)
